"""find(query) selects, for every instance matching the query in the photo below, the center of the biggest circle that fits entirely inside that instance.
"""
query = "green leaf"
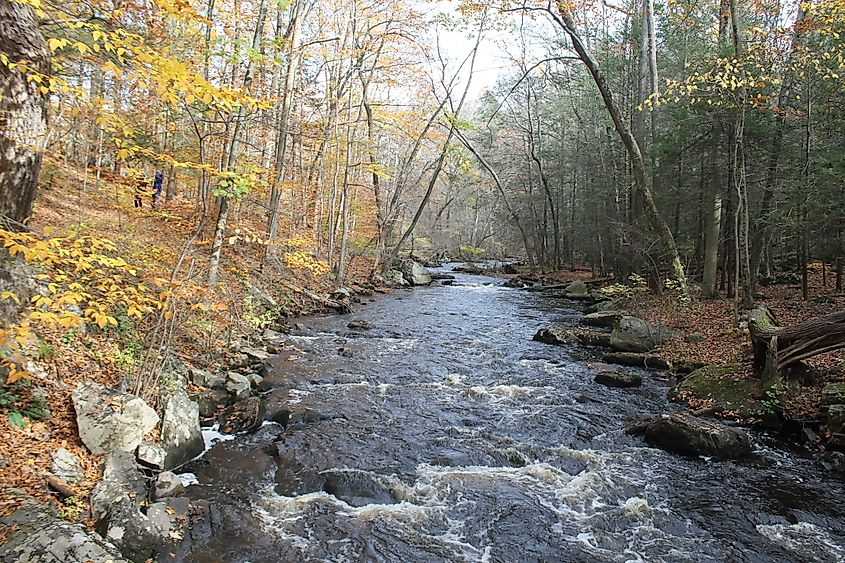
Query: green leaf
(17, 419)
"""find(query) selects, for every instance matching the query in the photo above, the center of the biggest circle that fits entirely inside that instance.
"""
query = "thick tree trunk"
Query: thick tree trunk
(23, 111)
(713, 219)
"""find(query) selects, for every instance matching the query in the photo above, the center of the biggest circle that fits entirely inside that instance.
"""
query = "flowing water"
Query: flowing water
(449, 435)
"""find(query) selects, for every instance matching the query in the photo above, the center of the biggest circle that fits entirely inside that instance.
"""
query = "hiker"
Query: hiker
(157, 182)
(140, 185)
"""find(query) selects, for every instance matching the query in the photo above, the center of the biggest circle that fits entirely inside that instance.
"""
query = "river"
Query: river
(444, 433)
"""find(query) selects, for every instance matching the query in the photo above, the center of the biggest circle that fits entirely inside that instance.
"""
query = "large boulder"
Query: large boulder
(469, 268)
(39, 535)
(632, 334)
(238, 385)
(688, 435)
(414, 273)
(562, 336)
(181, 436)
(110, 420)
(203, 378)
(724, 394)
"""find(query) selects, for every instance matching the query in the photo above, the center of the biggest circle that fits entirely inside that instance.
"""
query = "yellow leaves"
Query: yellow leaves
(301, 261)
(9, 295)
(55, 44)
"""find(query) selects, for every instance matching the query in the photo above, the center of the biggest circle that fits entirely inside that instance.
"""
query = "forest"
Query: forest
(188, 187)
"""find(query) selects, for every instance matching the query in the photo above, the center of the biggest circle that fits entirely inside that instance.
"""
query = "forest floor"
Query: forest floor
(725, 344)
(151, 240)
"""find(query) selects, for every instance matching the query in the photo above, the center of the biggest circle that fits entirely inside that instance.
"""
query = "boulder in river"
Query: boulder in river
(360, 324)
(570, 335)
(469, 268)
(632, 334)
(242, 416)
(167, 484)
(110, 420)
(612, 378)
(203, 378)
(603, 319)
(688, 435)
(181, 436)
(415, 273)
(634, 359)
(238, 385)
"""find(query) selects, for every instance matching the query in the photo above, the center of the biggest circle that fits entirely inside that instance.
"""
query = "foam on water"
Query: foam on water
(810, 542)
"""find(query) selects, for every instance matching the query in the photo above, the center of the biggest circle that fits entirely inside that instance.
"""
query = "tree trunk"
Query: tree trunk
(713, 219)
(23, 111)
(657, 223)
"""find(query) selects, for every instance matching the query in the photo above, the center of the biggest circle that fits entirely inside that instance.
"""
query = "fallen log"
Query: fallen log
(777, 348)
(339, 306)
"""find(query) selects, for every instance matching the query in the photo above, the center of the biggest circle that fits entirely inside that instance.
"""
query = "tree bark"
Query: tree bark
(23, 111)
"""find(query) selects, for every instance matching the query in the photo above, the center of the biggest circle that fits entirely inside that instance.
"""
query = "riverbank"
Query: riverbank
(716, 353)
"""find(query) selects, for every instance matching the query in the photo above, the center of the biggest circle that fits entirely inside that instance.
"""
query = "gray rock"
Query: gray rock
(577, 290)
(41, 536)
(394, 278)
(415, 273)
(469, 268)
(604, 319)
(607, 305)
(255, 380)
(207, 379)
(243, 416)
(109, 420)
(636, 335)
(687, 435)
(167, 484)
(181, 436)
(209, 400)
(836, 426)
(238, 385)
(152, 455)
(65, 466)
(562, 336)
(255, 354)
(271, 335)
(360, 324)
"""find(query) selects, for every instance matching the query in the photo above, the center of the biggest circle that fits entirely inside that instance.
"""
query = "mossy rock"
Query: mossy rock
(714, 388)
(833, 394)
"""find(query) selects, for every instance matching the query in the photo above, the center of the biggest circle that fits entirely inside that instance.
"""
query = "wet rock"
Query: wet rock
(110, 420)
(636, 335)
(571, 336)
(360, 324)
(238, 385)
(604, 319)
(152, 455)
(394, 278)
(65, 466)
(687, 435)
(181, 436)
(516, 282)
(469, 268)
(39, 535)
(637, 360)
(255, 380)
(442, 277)
(613, 378)
(345, 352)
(204, 378)
(415, 273)
(244, 415)
(167, 484)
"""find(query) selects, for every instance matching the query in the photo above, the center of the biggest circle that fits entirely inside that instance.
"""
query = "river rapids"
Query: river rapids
(444, 433)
